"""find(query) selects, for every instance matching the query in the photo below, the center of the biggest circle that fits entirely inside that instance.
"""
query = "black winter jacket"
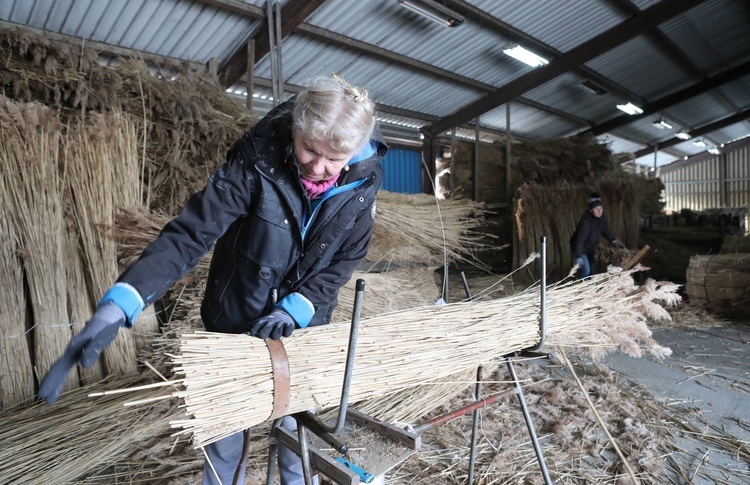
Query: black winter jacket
(253, 207)
(587, 234)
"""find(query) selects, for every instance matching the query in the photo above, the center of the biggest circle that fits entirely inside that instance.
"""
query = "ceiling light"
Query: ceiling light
(592, 87)
(713, 151)
(630, 109)
(434, 11)
(661, 124)
(700, 143)
(682, 135)
(526, 56)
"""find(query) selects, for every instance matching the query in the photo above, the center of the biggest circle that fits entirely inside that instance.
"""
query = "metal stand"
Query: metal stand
(517, 390)
(340, 470)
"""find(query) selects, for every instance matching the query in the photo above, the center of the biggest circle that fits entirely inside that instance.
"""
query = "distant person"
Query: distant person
(591, 227)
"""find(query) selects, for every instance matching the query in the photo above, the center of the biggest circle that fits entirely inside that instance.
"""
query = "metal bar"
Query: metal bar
(250, 76)
(543, 297)
(272, 52)
(529, 424)
(466, 286)
(277, 46)
(304, 454)
(475, 426)
(272, 450)
(444, 418)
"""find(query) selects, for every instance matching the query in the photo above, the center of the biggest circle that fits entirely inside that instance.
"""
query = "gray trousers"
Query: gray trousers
(226, 454)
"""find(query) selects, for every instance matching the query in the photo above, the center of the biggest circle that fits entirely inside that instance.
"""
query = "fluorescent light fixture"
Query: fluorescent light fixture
(525, 56)
(700, 143)
(682, 135)
(713, 151)
(661, 124)
(434, 11)
(630, 109)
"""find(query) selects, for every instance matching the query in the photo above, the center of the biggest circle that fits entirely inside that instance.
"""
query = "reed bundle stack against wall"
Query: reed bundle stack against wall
(721, 282)
(30, 157)
(401, 350)
(554, 210)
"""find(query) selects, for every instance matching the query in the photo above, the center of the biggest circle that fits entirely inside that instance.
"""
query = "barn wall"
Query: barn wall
(716, 182)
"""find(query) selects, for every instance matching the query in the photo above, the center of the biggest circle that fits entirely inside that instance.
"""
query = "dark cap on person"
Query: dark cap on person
(595, 200)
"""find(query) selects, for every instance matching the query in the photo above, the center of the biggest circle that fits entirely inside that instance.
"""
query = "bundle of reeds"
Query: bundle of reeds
(29, 157)
(720, 282)
(389, 291)
(16, 377)
(419, 228)
(228, 379)
(121, 136)
(88, 162)
(77, 436)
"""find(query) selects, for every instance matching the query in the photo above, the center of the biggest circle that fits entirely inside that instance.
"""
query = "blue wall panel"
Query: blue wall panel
(403, 171)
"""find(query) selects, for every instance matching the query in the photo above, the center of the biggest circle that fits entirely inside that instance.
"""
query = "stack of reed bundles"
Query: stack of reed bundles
(30, 157)
(228, 383)
(191, 120)
(554, 211)
(16, 376)
(419, 228)
(720, 282)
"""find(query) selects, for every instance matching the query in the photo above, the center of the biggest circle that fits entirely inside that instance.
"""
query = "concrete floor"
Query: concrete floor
(708, 373)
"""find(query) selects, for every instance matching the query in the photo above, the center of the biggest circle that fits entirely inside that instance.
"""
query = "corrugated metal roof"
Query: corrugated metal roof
(656, 73)
(701, 42)
(186, 30)
(715, 34)
(562, 26)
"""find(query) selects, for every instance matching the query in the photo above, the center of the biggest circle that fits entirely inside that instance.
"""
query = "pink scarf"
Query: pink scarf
(316, 189)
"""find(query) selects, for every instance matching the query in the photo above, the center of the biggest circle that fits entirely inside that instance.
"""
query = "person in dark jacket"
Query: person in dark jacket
(290, 216)
(591, 227)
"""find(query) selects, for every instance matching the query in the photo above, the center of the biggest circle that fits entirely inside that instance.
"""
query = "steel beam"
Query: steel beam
(590, 49)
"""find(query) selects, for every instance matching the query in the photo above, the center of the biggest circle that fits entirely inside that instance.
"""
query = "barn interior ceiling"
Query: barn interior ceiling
(658, 80)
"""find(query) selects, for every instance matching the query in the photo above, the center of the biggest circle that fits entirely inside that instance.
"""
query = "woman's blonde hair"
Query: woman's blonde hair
(332, 110)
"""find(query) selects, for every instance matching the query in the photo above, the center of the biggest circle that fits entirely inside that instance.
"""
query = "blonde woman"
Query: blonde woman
(290, 216)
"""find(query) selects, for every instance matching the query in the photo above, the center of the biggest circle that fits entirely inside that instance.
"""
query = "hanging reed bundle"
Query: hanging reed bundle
(228, 384)
(120, 135)
(89, 177)
(80, 304)
(419, 228)
(721, 282)
(30, 157)
(16, 376)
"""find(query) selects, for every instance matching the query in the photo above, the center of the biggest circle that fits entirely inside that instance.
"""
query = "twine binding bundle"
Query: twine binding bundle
(229, 379)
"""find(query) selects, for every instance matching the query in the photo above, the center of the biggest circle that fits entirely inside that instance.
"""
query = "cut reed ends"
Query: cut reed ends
(228, 379)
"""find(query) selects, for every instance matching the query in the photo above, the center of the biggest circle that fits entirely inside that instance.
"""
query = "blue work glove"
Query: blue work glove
(276, 324)
(83, 349)
(579, 261)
